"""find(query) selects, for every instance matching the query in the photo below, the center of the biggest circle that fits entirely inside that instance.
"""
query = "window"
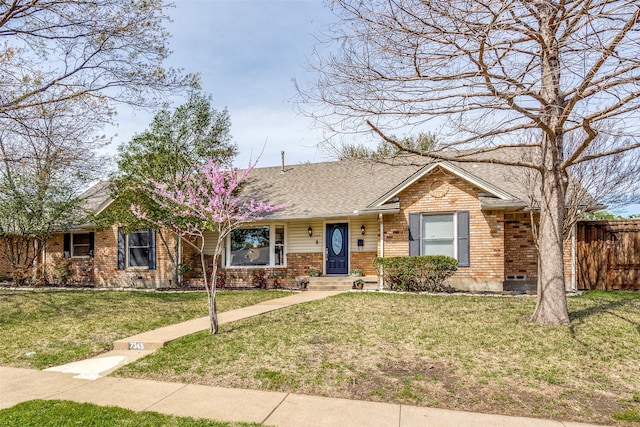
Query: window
(250, 246)
(279, 245)
(438, 237)
(78, 245)
(256, 246)
(137, 249)
(440, 234)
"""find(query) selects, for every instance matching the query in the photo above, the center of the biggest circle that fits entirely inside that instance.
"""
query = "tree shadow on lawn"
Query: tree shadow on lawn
(612, 305)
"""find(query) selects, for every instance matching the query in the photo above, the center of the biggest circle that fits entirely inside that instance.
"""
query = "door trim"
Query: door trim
(326, 224)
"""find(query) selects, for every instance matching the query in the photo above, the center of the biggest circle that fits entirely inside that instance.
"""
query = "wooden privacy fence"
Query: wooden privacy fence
(608, 255)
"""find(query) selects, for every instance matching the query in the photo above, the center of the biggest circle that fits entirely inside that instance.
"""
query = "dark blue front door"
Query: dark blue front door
(337, 249)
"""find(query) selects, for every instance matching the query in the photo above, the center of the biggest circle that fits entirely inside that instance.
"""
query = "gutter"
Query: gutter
(331, 215)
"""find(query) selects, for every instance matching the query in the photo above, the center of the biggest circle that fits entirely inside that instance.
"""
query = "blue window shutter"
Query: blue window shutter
(66, 245)
(120, 248)
(414, 234)
(91, 243)
(152, 249)
(463, 239)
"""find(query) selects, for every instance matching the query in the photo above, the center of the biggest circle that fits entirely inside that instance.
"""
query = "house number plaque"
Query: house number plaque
(136, 346)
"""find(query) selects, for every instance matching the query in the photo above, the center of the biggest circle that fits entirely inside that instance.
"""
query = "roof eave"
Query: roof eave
(448, 166)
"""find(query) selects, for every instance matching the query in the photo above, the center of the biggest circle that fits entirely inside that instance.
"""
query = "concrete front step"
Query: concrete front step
(340, 283)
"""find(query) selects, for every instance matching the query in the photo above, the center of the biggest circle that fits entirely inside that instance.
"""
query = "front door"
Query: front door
(337, 249)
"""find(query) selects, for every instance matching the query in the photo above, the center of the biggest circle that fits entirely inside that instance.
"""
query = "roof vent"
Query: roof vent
(282, 159)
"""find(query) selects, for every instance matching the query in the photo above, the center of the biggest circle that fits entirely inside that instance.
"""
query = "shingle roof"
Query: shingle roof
(348, 187)
(351, 186)
(96, 198)
(325, 189)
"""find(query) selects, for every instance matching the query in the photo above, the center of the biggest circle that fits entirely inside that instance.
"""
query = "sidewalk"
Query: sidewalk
(89, 384)
(268, 408)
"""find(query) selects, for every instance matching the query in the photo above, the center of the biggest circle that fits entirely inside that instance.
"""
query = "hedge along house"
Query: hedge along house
(338, 217)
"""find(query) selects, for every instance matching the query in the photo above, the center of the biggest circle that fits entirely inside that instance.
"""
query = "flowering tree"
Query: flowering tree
(208, 201)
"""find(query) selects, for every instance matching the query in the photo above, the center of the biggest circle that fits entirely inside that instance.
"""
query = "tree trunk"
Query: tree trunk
(213, 311)
(175, 268)
(551, 308)
(211, 293)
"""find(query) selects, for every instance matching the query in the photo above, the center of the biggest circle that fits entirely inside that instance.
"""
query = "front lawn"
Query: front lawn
(61, 413)
(458, 352)
(48, 328)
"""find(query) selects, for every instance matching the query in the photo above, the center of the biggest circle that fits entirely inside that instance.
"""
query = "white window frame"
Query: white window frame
(272, 247)
(455, 230)
(72, 246)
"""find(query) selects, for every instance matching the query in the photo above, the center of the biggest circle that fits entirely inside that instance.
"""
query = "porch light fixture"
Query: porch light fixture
(362, 229)
(310, 231)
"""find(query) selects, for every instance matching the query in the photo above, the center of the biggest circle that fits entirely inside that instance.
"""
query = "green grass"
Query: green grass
(48, 328)
(458, 352)
(62, 413)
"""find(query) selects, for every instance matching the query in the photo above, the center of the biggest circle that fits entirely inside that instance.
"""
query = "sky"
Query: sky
(247, 53)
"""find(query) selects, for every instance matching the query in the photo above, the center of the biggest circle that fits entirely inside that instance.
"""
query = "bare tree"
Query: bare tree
(53, 50)
(487, 73)
(384, 150)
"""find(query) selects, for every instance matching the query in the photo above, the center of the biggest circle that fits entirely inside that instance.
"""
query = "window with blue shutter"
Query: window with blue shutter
(151, 258)
(66, 245)
(463, 239)
(440, 234)
(121, 254)
(414, 233)
(137, 249)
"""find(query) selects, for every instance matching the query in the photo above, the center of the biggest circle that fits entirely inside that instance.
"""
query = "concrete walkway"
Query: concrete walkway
(86, 381)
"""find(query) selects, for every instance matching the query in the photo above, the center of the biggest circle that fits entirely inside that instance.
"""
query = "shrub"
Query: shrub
(416, 273)
(62, 271)
(221, 279)
(259, 279)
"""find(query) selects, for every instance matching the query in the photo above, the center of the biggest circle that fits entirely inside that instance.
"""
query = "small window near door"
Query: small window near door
(80, 245)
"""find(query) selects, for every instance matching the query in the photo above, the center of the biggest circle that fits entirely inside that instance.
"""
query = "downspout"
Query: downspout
(574, 287)
(381, 220)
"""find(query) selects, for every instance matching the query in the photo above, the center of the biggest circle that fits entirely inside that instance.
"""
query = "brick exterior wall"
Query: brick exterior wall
(102, 269)
(5, 265)
(440, 192)
(521, 255)
(364, 261)
(500, 243)
(298, 264)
